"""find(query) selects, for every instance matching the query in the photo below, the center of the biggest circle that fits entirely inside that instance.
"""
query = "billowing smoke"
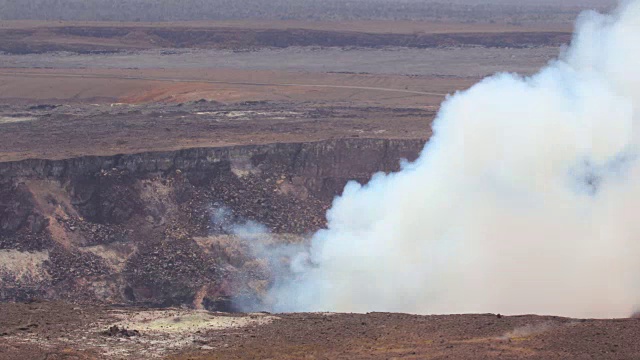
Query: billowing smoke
(523, 201)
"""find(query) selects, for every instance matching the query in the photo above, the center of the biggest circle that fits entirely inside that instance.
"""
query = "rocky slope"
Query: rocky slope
(170, 228)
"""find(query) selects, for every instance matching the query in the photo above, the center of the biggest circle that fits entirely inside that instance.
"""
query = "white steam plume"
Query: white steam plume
(523, 201)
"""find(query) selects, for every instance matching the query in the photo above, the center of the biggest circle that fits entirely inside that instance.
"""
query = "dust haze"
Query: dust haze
(512, 11)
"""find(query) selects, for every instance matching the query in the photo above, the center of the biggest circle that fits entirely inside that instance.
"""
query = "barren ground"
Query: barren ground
(137, 96)
(63, 331)
(73, 89)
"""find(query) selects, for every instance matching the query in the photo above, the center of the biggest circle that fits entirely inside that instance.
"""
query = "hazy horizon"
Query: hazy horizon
(513, 11)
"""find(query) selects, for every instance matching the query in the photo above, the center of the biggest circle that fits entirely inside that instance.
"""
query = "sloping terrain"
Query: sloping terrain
(159, 228)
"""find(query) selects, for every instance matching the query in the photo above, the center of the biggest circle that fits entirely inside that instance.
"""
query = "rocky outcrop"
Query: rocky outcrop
(145, 228)
(335, 160)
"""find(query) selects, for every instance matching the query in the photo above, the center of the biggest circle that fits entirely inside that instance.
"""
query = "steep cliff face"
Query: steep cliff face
(158, 228)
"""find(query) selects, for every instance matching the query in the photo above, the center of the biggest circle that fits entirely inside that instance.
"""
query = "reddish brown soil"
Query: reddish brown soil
(43, 320)
(399, 336)
(337, 105)
(62, 331)
(351, 106)
(223, 85)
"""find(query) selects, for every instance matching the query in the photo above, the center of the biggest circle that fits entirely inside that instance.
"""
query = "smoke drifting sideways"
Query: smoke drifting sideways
(255, 257)
(524, 200)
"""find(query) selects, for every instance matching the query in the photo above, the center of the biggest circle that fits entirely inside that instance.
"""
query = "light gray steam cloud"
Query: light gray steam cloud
(525, 200)
(252, 243)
